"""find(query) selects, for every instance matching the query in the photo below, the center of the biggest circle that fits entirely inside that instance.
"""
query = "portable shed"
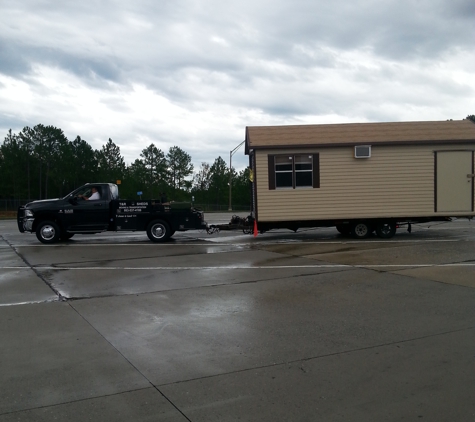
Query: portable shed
(311, 175)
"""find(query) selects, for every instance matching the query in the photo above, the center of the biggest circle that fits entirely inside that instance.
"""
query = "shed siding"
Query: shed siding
(397, 181)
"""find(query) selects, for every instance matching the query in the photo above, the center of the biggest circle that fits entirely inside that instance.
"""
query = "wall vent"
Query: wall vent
(363, 151)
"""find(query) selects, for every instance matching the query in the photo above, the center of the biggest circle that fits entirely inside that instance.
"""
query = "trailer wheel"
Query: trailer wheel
(386, 229)
(361, 230)
(47, 232)
(158, 231)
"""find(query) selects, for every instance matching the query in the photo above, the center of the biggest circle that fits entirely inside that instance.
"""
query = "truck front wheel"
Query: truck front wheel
(158, 231)
(47, 232)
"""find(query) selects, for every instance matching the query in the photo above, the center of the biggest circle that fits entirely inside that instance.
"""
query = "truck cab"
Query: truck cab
(53, 219)
(89, 215)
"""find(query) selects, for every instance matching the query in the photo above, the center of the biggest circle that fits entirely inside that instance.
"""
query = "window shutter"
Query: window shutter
(271, 171)
(316, 170)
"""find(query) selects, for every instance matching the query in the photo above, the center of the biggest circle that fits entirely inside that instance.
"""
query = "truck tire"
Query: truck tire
(158, 231)
(361, 230)
(47, 232)
(386, 229)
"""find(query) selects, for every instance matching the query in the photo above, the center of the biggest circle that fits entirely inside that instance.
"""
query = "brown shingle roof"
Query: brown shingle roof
(359, 134)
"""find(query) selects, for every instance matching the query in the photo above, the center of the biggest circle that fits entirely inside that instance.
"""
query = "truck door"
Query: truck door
(454, 181)
(90, 215)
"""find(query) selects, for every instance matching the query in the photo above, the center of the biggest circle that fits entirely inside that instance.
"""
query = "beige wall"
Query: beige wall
(397, 181)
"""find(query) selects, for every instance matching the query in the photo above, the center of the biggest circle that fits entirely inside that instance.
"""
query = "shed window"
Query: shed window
(294, 171)
(303, 170)
(283, 171)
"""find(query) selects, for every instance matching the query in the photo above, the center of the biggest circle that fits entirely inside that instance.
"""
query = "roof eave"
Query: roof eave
(351, 144)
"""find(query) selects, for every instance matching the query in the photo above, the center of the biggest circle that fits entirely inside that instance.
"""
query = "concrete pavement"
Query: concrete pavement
(282, 327)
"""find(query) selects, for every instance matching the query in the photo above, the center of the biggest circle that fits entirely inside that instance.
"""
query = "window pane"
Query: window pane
(283, 167)
(283, 180)
(303, 166)
(303, 159)
(283, 163)
(303, 178)
(303, 170)
(283, 171)
(303, 162)
(283, 159)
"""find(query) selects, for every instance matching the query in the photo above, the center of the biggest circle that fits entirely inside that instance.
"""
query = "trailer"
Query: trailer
(361, 178)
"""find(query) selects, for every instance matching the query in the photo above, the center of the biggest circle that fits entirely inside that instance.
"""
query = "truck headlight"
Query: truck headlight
(28, 213)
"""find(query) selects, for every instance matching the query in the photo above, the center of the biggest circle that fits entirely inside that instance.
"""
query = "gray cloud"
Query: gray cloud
(193, 73)
(12, 61)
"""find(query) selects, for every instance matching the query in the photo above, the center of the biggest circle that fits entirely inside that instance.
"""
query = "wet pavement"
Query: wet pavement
(227, 327)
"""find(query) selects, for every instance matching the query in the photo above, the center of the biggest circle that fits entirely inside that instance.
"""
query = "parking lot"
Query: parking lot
(306, 326)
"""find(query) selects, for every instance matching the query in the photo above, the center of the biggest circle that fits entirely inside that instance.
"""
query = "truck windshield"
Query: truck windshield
(73, 193)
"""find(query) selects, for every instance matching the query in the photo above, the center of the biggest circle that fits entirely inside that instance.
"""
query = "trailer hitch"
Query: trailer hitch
(236, 223)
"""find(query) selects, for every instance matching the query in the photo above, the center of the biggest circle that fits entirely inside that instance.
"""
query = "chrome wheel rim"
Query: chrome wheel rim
(158, 231)
(48, 232)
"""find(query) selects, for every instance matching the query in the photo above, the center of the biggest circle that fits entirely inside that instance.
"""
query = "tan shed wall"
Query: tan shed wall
(397, 181)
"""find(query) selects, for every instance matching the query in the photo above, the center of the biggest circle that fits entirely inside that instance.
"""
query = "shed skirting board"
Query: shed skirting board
(396, 181)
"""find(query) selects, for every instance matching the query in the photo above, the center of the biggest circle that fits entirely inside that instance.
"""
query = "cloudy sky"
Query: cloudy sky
(195, 73)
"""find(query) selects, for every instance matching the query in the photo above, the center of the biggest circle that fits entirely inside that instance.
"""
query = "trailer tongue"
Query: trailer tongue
(236, 223)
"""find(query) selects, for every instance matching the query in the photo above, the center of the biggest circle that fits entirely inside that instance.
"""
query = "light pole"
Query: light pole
(231, 153)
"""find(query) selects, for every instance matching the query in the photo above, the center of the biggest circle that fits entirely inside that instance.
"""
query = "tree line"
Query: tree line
(40, 162)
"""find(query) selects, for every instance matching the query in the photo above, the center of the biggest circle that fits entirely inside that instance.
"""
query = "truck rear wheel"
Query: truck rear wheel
(158, 231)
(386, 229)
(361, 230)
(47, 232)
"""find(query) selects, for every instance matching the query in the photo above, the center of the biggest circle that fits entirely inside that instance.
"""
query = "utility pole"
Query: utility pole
(231, 153)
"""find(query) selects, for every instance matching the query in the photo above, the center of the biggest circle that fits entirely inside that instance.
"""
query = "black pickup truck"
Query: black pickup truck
(62, 218)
